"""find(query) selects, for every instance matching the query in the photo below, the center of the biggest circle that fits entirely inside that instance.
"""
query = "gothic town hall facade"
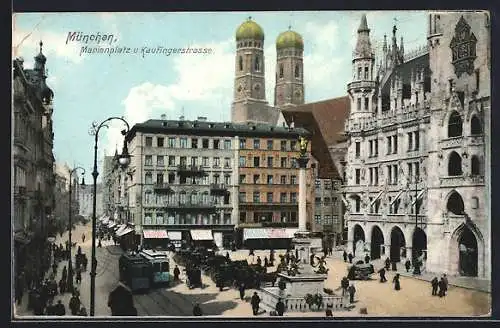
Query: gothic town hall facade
(417, 180)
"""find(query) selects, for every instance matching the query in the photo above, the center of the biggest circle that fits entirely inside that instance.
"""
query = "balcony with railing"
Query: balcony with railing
(271, 295)
(218, 189)
(402, 115)
(453, 142)
(162, 188)
(191, 170)
(461, 180)
(361, 84)
(209, 207)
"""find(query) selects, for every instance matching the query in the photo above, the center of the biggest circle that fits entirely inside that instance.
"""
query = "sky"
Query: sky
(90, 87)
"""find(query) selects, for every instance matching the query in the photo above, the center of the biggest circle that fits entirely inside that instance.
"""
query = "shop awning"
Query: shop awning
(268, 233)
(155, 234)
(174, 235)
(202, 235)
(125, 231)
(120, 228)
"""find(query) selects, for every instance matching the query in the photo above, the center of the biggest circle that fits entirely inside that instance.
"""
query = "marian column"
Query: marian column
(303, 159)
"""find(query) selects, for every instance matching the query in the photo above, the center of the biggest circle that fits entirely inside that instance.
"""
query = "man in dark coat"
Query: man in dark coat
(387, 264)
(259, 261)
(352, 291)
(395, 280)
(441, 285)
(280, 307)
(344, 283)
(219, 282)
(434, 284)
(382, 275)
(345, 256)
(177, 272)
(74, 304)
(227, 256)
(50, 309)
(367, 259)
(350, 257)
(62, 286)
(242, 291)
(121, 302)
(197, 310)
(59, 308)
(445, 279)
(54, 268)
(394, 266)
(407, 265)
(255, 303)
(266, 262)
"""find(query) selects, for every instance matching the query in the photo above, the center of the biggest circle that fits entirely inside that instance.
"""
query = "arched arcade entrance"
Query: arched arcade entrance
(397, 244)
(467, 248)
(377, 241)
(419, 243)
(358, 240)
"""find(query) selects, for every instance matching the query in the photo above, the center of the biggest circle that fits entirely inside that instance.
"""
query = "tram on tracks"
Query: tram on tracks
(160, 266)
(135, 272)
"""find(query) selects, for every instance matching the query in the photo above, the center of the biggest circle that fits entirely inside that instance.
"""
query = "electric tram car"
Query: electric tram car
(135, 272)
(160, 268)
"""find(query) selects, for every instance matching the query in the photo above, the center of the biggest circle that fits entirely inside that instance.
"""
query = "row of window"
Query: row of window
(455, 125)
(270, 163)
(327, 201)
(172, 178)
(394, 205)
(164, 218)
(256, 62)
(360, 75)
(296, 71)
(269, 197)
(327, 184)
(259, 217)
(270, 179)
(413, 144)
(183, 161)
(183, 197)
(206, 143)
(326, 220)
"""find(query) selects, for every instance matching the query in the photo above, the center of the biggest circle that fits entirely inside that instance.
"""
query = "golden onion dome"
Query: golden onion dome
(289, 39)
(249, 30)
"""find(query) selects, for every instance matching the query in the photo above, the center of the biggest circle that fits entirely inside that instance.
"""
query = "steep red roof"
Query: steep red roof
(325, 120)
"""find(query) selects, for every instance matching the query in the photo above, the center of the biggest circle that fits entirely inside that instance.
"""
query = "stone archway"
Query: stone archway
(397, 243)
(377, 241)
(467, 253)
(419, 244)
(358, 240)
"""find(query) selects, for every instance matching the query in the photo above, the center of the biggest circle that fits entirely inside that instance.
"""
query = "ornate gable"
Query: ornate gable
(463, 48)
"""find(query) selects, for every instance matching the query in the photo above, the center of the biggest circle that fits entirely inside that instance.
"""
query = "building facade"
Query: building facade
(108, 186)
(185, 177)
(85, 198)
(416, 160)
(33, 160)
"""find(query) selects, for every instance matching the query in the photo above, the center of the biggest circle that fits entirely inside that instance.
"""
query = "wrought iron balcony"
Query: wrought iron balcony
(162, 188)
(191, 170)
(189, 207)
(217, 189)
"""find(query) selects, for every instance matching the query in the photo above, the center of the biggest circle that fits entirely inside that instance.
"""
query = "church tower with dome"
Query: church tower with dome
(289, 88)
(250, 104)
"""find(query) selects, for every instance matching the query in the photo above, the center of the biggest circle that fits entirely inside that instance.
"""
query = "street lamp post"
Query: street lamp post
(124, 160)
(416, 262)
(70, 260)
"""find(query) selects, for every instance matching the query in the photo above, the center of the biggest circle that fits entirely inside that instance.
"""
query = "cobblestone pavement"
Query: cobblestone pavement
(380, 299)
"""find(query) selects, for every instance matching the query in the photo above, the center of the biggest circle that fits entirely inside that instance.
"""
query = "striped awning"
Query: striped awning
(174, 235)
(269, 233)
(155, 234)
(120, 228)
(201, 235)
(125, 231)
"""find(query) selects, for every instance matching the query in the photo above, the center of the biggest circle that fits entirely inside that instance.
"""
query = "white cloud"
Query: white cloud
(26, 44)
(203, 79)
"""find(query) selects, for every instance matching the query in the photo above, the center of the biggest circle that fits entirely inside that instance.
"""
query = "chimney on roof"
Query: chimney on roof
(163, 116)
(202, 118)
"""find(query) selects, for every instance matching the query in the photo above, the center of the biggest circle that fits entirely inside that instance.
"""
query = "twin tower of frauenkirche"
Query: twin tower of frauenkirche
(250, 104)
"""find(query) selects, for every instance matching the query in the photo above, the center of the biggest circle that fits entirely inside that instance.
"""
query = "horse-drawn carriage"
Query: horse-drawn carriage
(360, 271)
